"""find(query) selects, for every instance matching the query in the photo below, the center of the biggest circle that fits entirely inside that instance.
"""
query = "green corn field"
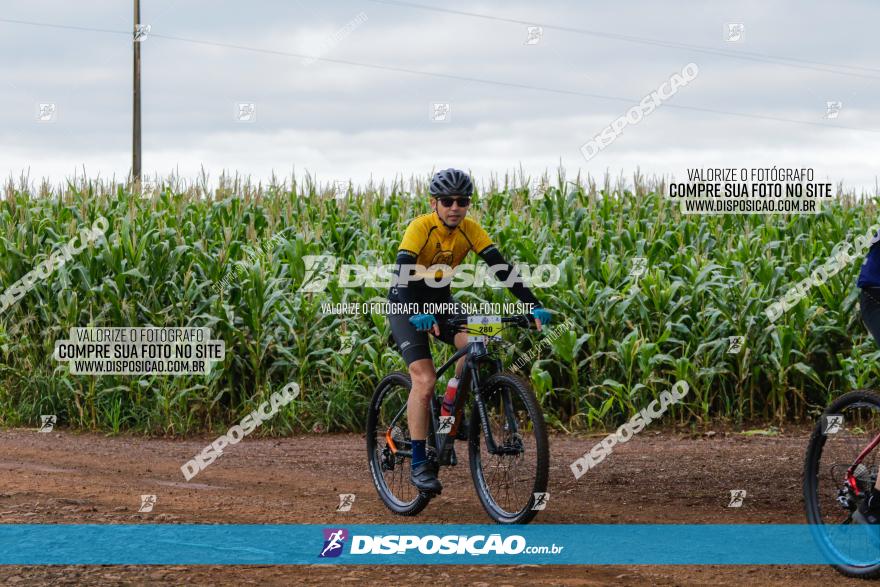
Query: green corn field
(707, 278)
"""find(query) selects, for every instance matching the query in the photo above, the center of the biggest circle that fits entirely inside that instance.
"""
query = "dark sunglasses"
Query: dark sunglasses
(462, 202)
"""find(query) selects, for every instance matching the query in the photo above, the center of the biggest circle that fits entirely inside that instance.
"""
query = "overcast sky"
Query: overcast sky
(343, 121)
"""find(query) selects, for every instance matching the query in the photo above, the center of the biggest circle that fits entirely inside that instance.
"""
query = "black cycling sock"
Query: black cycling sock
(419, 455)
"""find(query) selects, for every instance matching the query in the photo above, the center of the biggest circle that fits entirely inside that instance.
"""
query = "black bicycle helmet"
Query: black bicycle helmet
(451, 182)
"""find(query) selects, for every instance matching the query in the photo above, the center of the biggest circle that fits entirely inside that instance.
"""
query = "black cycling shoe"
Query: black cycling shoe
(424, 477)
(868, 511)
(462, 432)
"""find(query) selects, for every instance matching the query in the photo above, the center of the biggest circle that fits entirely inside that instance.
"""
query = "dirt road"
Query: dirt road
(65, 477)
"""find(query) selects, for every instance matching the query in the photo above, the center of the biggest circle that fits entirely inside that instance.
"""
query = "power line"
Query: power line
(506, 84)
(746, 55)
(410, 71)
(64, 26)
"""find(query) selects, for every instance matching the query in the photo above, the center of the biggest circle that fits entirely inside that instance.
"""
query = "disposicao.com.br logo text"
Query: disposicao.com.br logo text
(433, 544)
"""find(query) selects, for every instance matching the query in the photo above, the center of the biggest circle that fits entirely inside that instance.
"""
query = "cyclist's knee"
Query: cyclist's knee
(423, 378)
(424, 381)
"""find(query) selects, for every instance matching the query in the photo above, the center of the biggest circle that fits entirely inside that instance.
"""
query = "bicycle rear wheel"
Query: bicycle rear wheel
(846, 429)
(387, 438)
(506, 482)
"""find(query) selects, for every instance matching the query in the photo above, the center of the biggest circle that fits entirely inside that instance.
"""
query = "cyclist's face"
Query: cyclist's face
(451, 215)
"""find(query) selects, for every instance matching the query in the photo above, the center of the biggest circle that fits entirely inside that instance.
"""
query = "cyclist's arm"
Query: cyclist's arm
(492, 256)
(414, 239)
(404, 258)
(405, 293)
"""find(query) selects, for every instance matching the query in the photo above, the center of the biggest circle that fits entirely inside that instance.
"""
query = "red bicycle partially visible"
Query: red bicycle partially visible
(839, 471)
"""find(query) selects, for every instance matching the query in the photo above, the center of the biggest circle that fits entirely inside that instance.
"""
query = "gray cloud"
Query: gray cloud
(342, 121)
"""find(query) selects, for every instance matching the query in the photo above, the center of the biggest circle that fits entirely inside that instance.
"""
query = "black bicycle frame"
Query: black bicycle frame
(468, 382)
(469, 374)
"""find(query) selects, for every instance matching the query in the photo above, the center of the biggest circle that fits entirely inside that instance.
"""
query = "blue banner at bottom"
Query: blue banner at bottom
(558, 544)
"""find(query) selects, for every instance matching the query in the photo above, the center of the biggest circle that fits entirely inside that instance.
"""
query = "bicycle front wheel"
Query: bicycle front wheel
(508, 478)
(835, 483)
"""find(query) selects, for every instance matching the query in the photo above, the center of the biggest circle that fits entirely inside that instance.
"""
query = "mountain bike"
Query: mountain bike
(839, 471)
(507, 439)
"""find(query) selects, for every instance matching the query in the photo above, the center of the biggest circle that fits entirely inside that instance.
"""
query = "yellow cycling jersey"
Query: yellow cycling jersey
(432, 243)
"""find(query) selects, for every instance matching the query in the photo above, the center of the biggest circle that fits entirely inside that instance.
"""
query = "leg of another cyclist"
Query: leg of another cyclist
(424, 377)
(869, 306)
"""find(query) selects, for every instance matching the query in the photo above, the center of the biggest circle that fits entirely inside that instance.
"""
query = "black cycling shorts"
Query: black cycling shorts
(412, 344)
(869, 306)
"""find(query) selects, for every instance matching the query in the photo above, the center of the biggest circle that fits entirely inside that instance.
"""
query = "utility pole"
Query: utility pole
(136, 106)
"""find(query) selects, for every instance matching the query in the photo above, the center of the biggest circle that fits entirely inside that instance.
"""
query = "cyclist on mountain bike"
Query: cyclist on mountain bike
(869, 307)
(443, 237)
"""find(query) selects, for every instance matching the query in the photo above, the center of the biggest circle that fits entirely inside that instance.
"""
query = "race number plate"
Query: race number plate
(482, 328)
